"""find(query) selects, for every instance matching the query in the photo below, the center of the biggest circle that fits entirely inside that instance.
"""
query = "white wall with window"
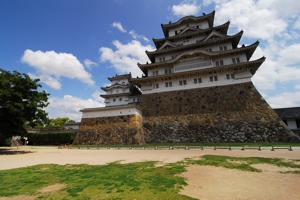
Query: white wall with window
(110, 112)
(213, 79)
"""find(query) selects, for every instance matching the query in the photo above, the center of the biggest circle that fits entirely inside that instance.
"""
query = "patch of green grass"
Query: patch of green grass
(143, 180)
(113, 181)
(243, 164)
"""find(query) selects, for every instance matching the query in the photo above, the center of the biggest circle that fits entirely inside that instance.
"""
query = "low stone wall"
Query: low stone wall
(111, 130)
(233, 113)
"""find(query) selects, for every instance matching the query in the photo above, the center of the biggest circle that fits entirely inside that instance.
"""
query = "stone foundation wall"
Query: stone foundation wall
(233, 113)
(111, 130)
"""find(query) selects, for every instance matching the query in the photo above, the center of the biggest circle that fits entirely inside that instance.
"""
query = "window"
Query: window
(213, 78)
(155, 73)
(298, 123)
(155, 86)
(161, 59)
(223, 48)
(209, 49)
(183, 82)
(168, 71)
(219, 63)
(197, 80)
(120, 99)
(168, 84)
(114, 100)
(235, 60)
(230, 76)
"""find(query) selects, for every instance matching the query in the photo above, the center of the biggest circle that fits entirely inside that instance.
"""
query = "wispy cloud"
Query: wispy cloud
(119, 26)
(89, 64)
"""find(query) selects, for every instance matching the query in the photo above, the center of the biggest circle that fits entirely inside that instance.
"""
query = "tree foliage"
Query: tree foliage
(21, 103)
(58, 122)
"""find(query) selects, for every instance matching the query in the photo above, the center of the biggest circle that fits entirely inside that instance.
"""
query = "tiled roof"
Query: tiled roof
(288, 113)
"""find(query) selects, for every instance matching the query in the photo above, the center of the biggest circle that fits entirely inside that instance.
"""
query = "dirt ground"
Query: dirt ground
(204, 182)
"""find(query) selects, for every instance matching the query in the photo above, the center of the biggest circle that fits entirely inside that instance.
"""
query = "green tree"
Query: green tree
(58, 122)
(21, 103)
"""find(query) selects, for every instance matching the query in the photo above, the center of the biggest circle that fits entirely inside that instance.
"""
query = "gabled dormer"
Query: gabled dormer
(205, 21)
(167, 45)
(213, 35)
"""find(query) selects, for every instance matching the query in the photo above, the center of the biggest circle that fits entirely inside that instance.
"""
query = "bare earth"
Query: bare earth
(204, 182)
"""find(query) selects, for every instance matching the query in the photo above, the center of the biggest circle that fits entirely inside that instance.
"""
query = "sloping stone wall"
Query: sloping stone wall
(111, 130)
(233, 113)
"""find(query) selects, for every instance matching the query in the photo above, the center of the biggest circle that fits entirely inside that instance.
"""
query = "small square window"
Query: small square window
(199, 80)
(227, 76)
(211, 78)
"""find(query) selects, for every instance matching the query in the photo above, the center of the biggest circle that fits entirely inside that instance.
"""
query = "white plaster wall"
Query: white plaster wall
(111, 113)
(120, 81)
(228, 60)
(117, 91)
(291, 123)
(117, 102)
(222, 80)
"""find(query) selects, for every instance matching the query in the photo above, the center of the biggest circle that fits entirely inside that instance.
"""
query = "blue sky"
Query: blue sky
(74, 45)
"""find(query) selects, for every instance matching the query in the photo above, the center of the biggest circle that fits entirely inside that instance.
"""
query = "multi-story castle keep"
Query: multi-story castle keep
(197, 88)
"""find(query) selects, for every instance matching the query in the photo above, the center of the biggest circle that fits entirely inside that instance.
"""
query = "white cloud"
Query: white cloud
(119, 26)
(258, 19)
(286, 99)
(69, 106)
(186, 8)
(51, 66)
(48, 80)
(88, 63)
(290, 54)
(136, 36)
(126, 56)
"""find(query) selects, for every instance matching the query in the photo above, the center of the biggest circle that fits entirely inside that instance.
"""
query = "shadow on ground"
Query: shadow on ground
(10, 151)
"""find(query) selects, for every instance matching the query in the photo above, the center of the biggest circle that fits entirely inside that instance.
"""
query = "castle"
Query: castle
(197, 88)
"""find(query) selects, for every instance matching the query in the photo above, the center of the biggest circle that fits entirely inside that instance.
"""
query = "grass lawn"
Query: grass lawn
(144, 180)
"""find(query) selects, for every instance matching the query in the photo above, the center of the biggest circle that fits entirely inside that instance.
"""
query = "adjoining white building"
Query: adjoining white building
(291, 117)
(120, 99)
